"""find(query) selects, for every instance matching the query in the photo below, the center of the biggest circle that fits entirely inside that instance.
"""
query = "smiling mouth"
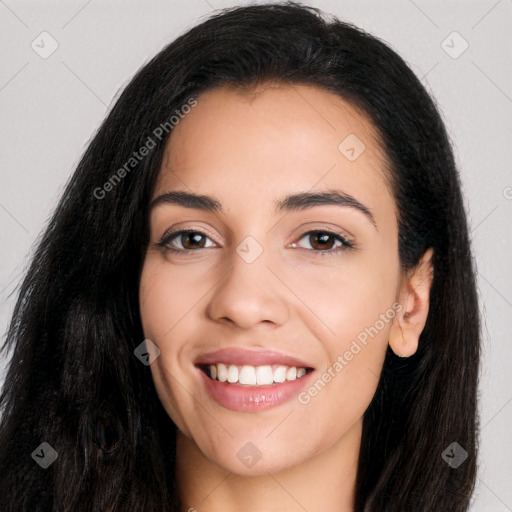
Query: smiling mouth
(254, 376)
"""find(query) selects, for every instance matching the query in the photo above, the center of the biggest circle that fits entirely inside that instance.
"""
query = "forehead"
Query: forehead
(246, 146)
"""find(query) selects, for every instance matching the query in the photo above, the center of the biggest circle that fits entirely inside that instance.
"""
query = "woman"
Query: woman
(317, 349)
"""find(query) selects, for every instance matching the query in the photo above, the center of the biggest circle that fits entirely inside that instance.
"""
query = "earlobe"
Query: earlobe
(414, 296)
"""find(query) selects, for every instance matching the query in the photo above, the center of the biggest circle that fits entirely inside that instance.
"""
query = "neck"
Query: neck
(324, 482)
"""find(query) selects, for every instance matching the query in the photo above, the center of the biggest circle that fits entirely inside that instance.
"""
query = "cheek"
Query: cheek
(161, 309)
(164, 319)
(356, 302)
(164, 298)
(366, 291)
(152, 309)
(341, 300)
(346, 384)
(164, 377)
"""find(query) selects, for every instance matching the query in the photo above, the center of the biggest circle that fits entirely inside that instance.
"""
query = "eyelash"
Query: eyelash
(164, 243)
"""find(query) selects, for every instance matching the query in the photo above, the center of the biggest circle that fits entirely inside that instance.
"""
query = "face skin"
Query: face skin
(249, 149)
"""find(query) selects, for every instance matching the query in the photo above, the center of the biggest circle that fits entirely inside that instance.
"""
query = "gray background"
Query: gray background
(50, 107)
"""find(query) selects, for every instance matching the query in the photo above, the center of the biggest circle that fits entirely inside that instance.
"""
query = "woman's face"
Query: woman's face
(314, 283)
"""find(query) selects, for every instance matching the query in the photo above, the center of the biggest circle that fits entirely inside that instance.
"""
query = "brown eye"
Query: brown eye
(192, 240)
(189, 240)
(324, 242)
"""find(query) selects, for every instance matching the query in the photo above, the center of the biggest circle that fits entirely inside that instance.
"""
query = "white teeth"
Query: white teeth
(232, 374)
(248, 375)
(264, 375)
(280, 374)
(291, 373)
(222, 372)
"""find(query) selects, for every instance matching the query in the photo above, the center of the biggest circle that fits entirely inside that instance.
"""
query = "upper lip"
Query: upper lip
(240, 356)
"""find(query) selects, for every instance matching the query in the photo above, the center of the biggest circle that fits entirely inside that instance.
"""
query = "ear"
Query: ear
(413, 295)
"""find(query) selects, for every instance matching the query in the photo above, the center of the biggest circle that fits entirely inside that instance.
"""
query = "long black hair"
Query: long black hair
(73, 380)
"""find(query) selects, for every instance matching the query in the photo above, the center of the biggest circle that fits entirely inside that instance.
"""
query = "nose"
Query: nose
(248, 295)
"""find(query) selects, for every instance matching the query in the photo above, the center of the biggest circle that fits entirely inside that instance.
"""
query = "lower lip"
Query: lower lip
(253, 398)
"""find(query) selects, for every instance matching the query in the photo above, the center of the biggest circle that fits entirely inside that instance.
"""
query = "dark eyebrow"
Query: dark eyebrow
(303, 200)
(294, 202)
(188, 200)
